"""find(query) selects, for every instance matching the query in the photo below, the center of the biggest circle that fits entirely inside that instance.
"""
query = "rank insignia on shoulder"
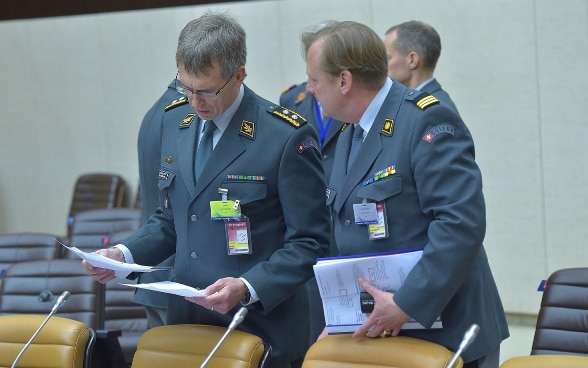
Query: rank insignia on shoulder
(300, 98)
(289, 88)
(247, 129)
(388, 127)
(425, 102)
(288, 115)
(178, 102)
(435, 131)
(422, 99)
(187, 121)
(344, 127)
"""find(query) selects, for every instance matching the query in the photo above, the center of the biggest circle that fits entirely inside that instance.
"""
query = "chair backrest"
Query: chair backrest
(33, 287)
(18, 247)
(187, 346)
(96, 229)
(562, 324)
(61, 343)
(546, 361)
(93, 229)
(96, 190)
(343, 351)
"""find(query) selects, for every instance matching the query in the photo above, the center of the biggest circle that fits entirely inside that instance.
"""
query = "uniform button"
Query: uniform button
(194, 218)
(347, 223)
(194, 255)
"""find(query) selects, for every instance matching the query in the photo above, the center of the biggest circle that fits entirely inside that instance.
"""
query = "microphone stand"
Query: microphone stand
(237, 319)
(62, 298)
(469, 337)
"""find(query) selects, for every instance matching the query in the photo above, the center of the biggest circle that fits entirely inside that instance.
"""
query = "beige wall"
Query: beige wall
(73, 91)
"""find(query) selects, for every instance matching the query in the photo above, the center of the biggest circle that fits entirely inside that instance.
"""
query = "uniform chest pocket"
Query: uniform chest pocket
(382, 189)
(246, 191)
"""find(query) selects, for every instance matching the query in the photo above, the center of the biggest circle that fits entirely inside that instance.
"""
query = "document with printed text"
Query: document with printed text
(338, 285)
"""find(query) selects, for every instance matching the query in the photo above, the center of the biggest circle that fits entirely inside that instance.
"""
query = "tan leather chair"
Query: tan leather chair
(343, 351)
(546, 361)
(187, 346)
(95, 190)
(61, 343)
(562, 324)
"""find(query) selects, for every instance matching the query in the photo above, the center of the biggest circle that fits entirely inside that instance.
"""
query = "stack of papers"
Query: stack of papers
(337, 280)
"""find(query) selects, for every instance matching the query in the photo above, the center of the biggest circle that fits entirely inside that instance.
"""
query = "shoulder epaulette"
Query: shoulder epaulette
(289, 88)
(422, 99)
(288, 115)
(178, 102)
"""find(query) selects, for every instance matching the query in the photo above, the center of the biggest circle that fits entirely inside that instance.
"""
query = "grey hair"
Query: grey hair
(418, 37)
(212, 38)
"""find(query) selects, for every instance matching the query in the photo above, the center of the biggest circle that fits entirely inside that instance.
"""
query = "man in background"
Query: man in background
(413, 49)
(149, 153)
(296, 98)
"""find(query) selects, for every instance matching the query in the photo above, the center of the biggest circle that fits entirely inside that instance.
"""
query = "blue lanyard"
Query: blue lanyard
(323, 129)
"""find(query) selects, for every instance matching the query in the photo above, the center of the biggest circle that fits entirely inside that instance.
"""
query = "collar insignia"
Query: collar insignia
(247, 129)
(388, 127)
(187, 121)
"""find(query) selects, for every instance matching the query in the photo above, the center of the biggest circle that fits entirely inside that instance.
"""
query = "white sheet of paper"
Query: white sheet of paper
(121, 269)
(170, 287)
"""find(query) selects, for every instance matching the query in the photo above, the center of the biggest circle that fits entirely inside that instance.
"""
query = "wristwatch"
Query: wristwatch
(247, 298)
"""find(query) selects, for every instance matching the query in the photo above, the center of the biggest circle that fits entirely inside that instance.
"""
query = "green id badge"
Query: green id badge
(225, 210)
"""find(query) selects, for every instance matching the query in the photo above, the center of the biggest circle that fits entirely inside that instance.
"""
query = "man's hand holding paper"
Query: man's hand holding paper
(106, 264)
(101, 274)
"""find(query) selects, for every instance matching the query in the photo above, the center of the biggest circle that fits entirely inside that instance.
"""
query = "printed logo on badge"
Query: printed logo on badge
(307, 143)
(438, 130)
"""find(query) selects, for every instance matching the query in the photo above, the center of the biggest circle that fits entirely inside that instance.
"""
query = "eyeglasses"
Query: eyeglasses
(201, 94)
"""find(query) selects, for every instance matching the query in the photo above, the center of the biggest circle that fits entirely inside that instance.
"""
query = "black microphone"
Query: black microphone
(469, 337)
(237, 319)
(62, 298)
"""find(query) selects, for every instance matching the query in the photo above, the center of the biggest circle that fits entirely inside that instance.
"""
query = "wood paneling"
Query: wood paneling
(24, 9)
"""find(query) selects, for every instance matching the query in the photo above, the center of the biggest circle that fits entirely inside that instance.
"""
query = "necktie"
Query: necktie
(355, 144)
(204, 147)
